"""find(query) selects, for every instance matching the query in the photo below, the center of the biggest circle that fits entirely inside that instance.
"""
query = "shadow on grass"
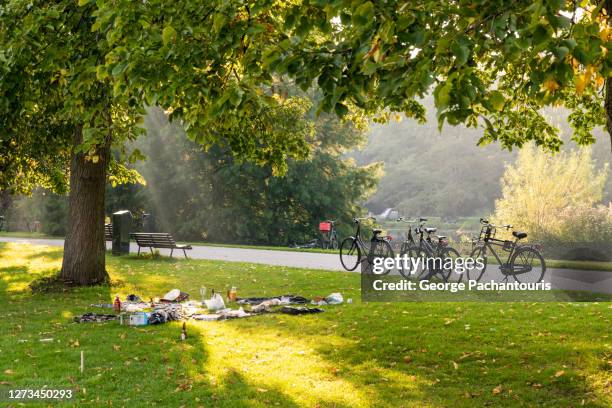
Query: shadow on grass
(436, 365)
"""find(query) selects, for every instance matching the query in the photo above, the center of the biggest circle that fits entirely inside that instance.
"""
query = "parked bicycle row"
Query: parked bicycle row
(523, 262)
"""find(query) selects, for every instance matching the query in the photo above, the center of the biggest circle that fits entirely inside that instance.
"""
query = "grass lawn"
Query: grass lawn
(23, 234)
(353, 355)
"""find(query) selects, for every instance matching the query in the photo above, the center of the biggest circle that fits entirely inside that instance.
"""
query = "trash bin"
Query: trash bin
(148, 223)
(122, 228)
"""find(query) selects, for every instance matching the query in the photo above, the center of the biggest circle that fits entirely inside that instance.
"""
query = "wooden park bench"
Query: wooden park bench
(108, 232)
(158, 240)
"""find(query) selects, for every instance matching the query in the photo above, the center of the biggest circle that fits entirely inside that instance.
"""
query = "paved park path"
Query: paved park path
(592, 281)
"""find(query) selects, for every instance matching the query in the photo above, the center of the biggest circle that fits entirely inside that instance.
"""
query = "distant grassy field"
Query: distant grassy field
(352, 355)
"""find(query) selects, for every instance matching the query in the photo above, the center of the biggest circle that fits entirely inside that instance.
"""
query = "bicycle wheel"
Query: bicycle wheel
(405, 250)
(334, 242)
(529, 264)
(418, 256)
(350, 254)
(476, 273)
(450, 272)
(382, 250)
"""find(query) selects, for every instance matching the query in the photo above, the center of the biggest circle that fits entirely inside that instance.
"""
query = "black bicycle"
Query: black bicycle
(433, 255)
(329, 235)
(354, 250)
(525, 262)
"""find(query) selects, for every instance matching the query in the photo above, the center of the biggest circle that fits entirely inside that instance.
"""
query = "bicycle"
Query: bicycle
(329, 236)
(353, 248)
(521, 260)
(437, 253)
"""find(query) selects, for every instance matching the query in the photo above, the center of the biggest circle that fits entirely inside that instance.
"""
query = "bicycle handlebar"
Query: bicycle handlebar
(487, 222)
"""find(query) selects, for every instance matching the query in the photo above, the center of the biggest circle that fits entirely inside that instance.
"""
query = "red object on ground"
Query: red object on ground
(117, 304)
(325, 226)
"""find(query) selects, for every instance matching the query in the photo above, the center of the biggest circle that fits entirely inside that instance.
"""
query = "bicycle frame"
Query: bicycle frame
(488, 241)
(361, 243)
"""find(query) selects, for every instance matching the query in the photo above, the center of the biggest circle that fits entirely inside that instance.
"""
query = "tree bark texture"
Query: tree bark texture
(608, 96)
(84, 247)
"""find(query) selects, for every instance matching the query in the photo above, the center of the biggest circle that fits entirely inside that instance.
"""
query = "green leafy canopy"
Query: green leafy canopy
(92, 67)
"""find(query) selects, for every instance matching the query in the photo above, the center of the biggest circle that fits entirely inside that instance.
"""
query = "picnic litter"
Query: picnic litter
(176, 306)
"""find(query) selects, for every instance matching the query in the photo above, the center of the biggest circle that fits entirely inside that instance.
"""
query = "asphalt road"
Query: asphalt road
(567, 279)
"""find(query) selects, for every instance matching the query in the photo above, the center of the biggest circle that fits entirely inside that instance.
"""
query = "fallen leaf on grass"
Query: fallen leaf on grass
(559, 373)
(455, 365)
(407, 359)
(262, 390)
(116, 347)
(497, 390)
(8, 371)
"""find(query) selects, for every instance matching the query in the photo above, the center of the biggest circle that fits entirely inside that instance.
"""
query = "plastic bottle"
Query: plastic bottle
(117, 304)
(184, 332)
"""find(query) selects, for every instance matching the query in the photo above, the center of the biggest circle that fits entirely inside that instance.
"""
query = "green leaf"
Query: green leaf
(540, 35)
(119, 68)
(218, 22)
(369, 67)
(168, 34)
(461, 52)
(235, 96)
(442, 96)
(340, 109)
(497, 100)
(364, 14)
(561, 52)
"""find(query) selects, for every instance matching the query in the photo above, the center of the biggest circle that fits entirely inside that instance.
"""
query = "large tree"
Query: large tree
(73, 77)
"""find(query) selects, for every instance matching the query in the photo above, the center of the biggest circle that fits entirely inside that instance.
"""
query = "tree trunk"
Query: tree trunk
(84, 248)
(608, 100)
(608, 108)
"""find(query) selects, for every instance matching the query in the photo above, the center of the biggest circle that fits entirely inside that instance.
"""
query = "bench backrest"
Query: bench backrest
(154, 239)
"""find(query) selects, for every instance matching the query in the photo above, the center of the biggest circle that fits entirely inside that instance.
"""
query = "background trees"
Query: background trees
(201, 195)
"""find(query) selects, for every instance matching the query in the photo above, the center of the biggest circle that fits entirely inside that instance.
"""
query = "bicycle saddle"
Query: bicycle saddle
(376, 231)
(519, 235)
(441, 236)
(430, 230)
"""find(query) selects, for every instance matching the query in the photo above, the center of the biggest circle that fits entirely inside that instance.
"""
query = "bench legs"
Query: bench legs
(171, 251)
